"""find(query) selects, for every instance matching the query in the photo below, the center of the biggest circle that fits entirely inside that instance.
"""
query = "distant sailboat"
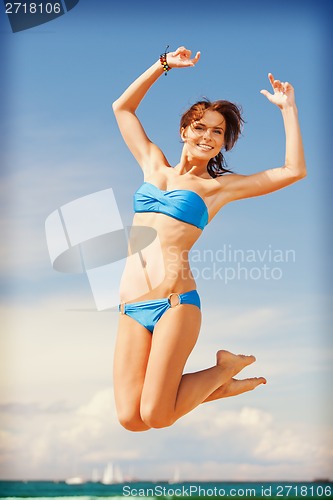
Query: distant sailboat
(176, 476)
(74, 480)
(112, 474)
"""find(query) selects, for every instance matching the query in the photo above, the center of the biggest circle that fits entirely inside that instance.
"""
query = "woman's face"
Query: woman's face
(205, 137)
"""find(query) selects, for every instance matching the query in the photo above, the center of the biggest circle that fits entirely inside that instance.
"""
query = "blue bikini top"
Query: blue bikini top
(180, 204)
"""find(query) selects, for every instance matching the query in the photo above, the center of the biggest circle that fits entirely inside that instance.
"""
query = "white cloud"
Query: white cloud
(209, 443)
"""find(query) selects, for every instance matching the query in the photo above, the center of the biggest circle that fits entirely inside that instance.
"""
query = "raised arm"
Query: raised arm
(245, 186)
(125, 108)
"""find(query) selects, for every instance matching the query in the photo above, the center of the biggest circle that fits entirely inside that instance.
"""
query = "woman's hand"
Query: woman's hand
(284, 94)
(181, 58)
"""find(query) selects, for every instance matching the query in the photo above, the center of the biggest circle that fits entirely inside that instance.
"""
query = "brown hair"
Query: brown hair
(233, 119)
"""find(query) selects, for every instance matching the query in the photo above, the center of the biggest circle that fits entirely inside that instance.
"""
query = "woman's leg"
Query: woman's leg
(167, 393)
(130, 362)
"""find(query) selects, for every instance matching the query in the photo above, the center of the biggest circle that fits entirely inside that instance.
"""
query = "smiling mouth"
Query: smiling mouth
(205, 147)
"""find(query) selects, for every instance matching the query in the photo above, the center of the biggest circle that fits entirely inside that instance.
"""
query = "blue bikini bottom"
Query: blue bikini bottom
(148, 312)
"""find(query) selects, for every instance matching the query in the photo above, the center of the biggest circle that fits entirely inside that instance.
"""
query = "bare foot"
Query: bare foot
(235, 387)
(233, 363)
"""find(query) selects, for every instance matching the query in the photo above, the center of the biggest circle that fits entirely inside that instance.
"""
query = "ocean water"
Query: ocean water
(92, 491)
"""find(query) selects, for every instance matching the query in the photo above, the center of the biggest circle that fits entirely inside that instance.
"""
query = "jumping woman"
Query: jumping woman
(159, 322)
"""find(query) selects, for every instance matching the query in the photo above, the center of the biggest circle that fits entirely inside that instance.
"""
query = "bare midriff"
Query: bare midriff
(162, 267)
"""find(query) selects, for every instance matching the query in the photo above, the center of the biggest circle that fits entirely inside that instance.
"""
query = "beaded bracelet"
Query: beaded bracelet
(163, 61)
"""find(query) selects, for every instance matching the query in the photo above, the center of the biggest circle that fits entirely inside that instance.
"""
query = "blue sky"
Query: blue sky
(62, 143)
